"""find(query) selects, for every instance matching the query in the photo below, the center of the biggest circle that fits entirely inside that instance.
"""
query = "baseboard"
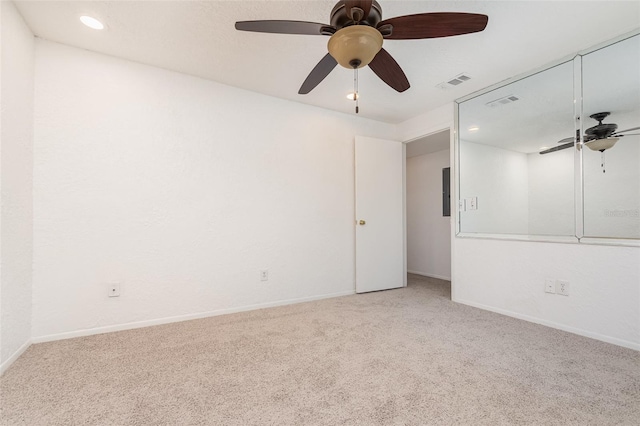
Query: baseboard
(578, 331)
(424, 274)
(187, 317)
(5, 365)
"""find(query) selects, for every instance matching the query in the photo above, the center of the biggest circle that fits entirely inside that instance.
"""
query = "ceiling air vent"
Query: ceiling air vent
(502, 101)
(455, 81)
(459, 79)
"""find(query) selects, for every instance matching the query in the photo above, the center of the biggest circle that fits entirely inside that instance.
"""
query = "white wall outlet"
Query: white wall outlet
(113, 289)
(549, 285)
(562, 287)
(264, 275)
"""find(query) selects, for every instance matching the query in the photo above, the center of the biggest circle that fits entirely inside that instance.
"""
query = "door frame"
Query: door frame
(454, 194)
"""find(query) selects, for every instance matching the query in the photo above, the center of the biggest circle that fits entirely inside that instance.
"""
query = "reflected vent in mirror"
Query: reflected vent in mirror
(502, 101)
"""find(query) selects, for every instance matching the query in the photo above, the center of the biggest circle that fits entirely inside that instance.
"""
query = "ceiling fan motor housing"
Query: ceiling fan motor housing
(601, 130)
(340, 19)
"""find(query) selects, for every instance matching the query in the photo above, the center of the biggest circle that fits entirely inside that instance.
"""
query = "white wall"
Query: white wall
(428, 232)
(551, 195)
(498, 178)
(16, 166)
(508, 277)
(428, 123)
(182, 190)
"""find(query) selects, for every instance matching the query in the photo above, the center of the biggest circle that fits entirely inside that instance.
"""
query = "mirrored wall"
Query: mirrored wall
(611, 84)
(523, 171)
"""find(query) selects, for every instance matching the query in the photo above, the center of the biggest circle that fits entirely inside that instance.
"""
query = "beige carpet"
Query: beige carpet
(399, 357)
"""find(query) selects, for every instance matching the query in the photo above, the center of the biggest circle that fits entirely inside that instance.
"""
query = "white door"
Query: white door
(379, 214)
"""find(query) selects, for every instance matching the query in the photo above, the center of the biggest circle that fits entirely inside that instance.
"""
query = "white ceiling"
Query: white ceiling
(428, 144)
(199, 38)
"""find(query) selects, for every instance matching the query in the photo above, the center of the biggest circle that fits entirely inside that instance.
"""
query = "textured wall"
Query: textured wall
(509, 277)
(181, 189)
(16, 156)
(428, 232)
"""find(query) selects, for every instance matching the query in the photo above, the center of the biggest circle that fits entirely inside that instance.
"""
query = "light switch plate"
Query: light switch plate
(549, 286)
(473, 203)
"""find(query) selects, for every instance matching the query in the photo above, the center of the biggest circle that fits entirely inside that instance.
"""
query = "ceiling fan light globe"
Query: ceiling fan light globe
(601, 144)
(357, 43)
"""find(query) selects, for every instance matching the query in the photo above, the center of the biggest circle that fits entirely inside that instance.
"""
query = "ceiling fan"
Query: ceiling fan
(597, 138)
(357, 31)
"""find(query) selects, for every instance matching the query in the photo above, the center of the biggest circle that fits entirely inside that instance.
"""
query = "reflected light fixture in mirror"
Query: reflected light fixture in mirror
(601, 144)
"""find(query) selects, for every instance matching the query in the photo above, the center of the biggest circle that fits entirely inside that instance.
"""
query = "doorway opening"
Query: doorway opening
(428, 212)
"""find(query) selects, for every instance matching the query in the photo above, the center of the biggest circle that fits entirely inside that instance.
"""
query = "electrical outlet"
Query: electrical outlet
(549, 286)
(562, 287)
(264, 275)
(113, 289)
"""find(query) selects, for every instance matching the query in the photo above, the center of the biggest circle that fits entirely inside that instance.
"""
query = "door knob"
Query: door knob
(362, 222)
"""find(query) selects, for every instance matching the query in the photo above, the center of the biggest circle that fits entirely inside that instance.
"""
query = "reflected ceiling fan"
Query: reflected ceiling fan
(597, 138)
(357, 31)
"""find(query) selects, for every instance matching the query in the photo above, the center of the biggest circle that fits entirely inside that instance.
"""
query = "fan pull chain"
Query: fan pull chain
(355, 88)
(602, 161)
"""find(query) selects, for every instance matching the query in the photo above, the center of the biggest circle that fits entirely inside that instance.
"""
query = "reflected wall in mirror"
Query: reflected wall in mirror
(611, 179)
(505, 185)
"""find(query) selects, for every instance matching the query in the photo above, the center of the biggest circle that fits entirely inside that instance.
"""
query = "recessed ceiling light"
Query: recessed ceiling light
(91, 22)
(473, 128)
(352, 96)
(542, 148)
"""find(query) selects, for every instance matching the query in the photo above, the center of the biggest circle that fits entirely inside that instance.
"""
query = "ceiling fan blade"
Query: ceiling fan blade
(317, 74)
(557, 148)
(364, 5)
(385, 67)
(630, 134)
(626, 130)
(433, 25)
(565, 140)
(284, 27)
